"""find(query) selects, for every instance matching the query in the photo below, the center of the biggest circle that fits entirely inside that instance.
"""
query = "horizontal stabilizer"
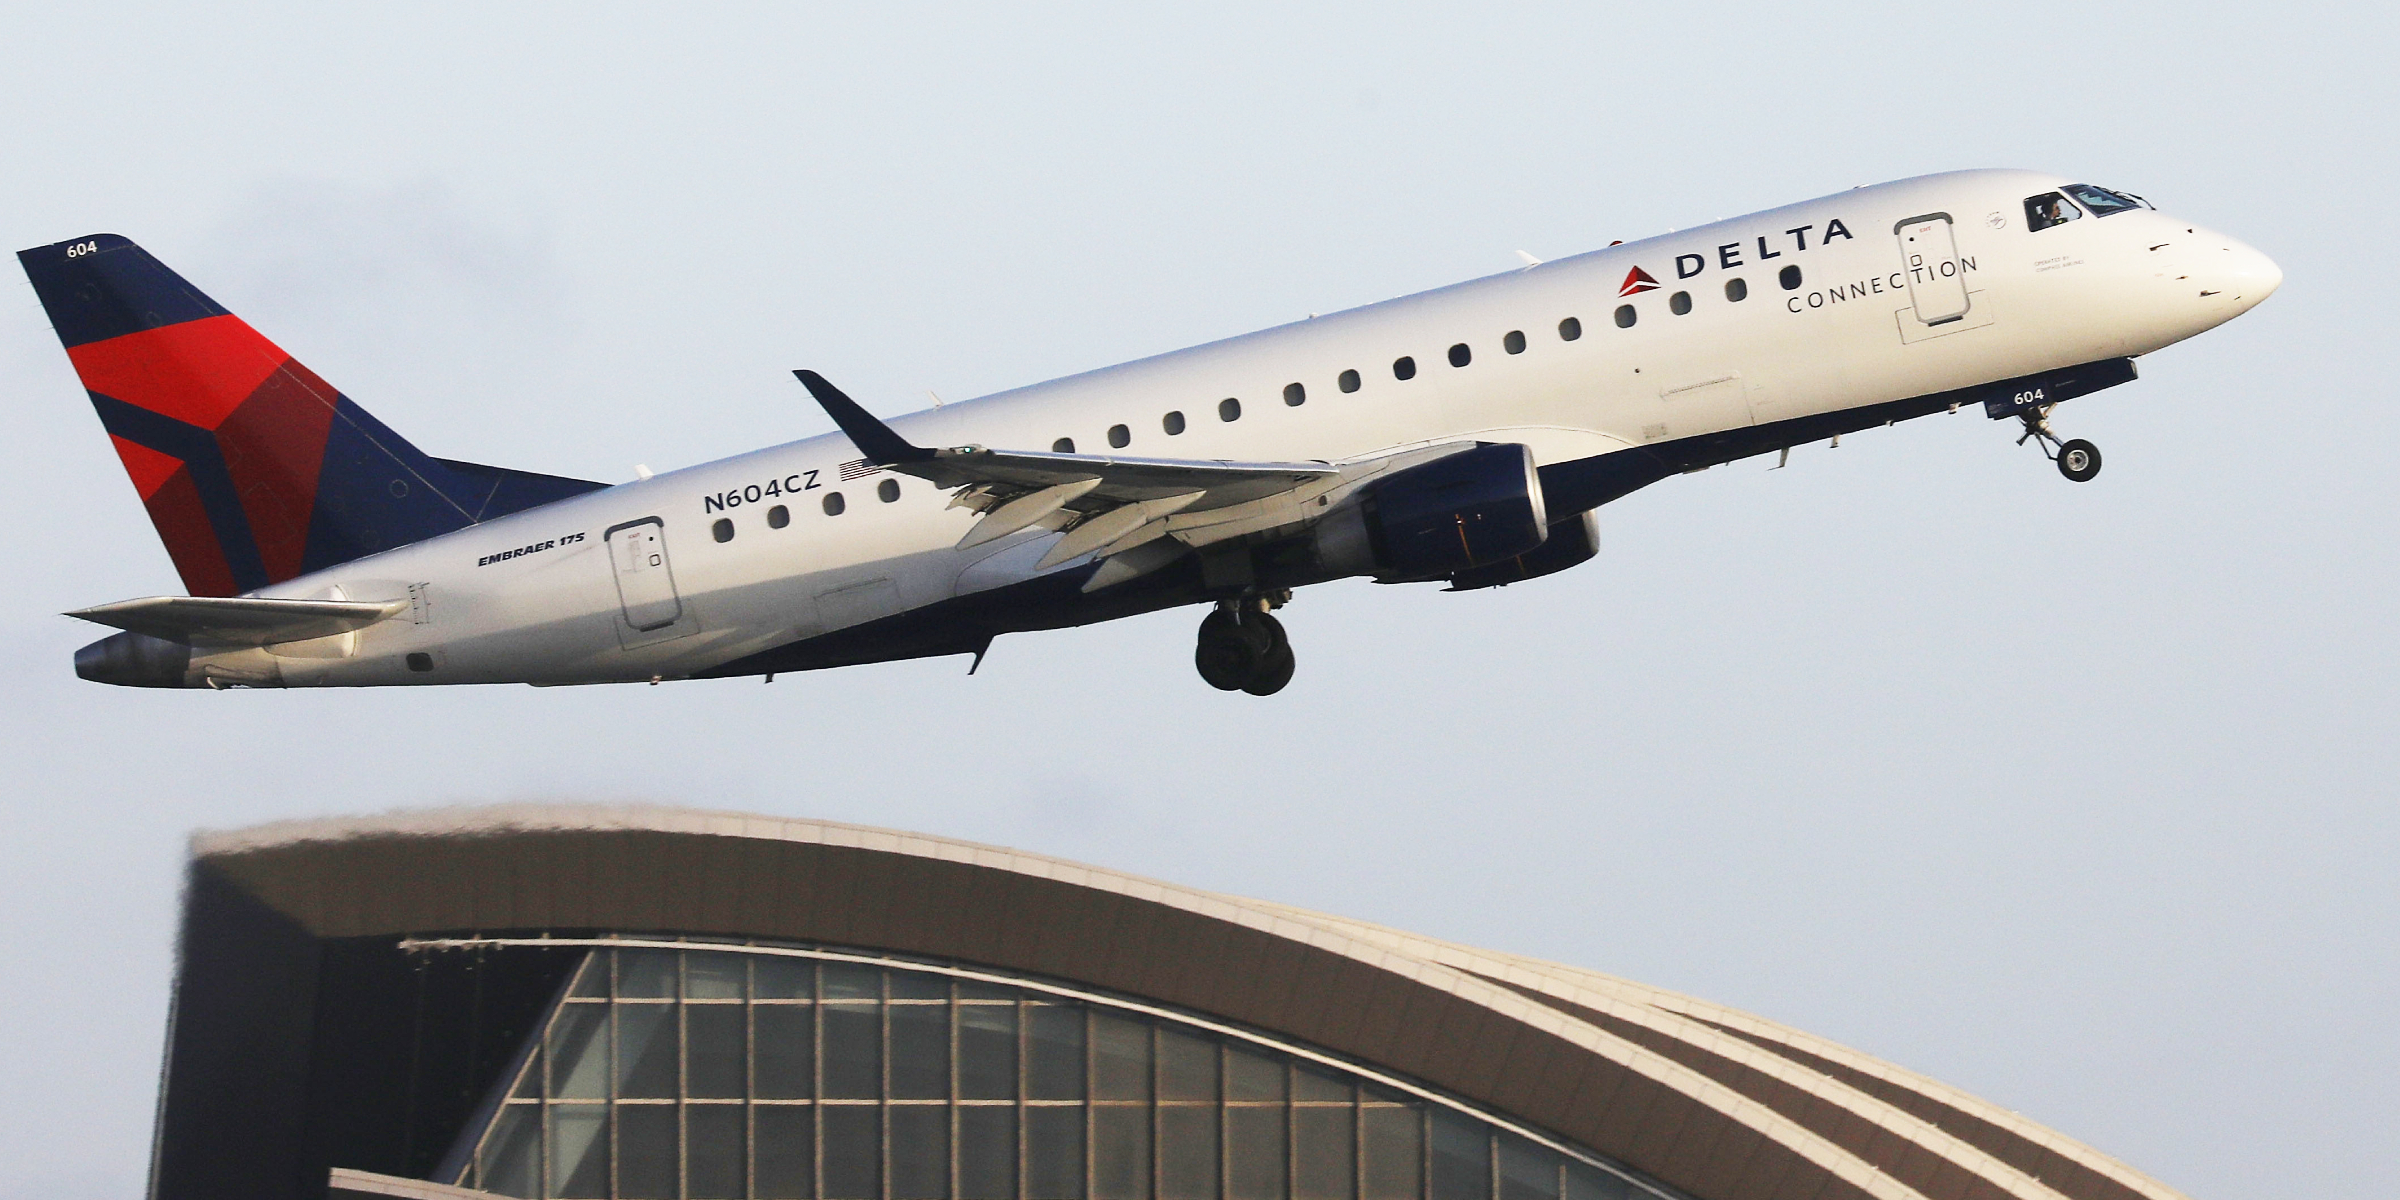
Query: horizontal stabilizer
(240, 621)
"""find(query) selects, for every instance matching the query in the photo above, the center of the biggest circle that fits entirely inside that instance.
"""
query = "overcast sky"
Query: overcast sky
(2078, 797)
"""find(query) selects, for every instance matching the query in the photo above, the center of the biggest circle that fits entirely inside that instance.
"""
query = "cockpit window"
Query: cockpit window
(2102, 202)
(2048, 209)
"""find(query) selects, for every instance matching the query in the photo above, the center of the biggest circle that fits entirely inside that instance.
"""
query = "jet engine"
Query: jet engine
(1476, 508)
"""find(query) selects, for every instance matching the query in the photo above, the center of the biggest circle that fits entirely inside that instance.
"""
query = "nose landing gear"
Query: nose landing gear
(1243, 648)
(2077, 459)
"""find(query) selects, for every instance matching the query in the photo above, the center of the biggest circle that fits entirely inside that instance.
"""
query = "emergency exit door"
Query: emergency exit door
(1937, 284)
(645, 579)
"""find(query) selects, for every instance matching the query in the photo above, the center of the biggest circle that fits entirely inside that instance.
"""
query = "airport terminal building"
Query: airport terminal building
(588, 1003)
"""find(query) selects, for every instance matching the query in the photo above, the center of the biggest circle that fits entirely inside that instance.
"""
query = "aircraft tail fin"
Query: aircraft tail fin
(253, 468)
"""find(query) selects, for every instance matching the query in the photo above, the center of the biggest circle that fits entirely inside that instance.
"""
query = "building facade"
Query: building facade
(591, 1003)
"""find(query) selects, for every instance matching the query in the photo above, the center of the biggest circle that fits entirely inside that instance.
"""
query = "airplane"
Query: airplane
(1465, 435)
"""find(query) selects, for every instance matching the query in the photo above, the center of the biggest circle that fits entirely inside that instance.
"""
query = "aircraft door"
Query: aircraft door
(637, 550)
(1937, 285)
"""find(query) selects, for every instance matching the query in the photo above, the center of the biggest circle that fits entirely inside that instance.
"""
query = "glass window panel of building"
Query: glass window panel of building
(720, 1074)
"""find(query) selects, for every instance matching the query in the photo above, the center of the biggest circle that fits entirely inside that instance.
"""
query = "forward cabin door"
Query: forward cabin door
(637, 550)
(1937, 285)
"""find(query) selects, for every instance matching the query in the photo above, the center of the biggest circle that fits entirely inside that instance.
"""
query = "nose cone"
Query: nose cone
(2242, 274)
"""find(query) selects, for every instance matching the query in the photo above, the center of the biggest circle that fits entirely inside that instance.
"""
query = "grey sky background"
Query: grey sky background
(2077, 797)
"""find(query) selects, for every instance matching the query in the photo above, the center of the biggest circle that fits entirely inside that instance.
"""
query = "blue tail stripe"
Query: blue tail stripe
(505, 491)
(110, 290)
(197, 448)
(377, 491)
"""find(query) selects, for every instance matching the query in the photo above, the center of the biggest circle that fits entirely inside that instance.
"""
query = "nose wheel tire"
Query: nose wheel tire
(2078, 460)
(1243, 651)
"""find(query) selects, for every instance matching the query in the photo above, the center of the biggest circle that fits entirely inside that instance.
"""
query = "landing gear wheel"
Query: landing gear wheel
(1243, 648)
(1275, 666)
(1231, 648)
(2078, 460)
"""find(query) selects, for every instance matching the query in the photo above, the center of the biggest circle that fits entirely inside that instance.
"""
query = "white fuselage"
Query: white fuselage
(537, 596)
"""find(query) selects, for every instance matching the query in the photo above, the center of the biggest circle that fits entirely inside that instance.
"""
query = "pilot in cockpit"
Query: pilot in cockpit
(2052, 208)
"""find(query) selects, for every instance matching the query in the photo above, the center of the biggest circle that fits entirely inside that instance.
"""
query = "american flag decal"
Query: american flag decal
(857, 468)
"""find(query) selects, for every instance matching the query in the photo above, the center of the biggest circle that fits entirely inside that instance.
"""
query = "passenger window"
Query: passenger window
(833, 504)
(722, 530)
(1349, 381)
(1404, 367)
(778, 517)
(1295, 395)
(1625, 316)
(1119, 436)
(1172, 423)
(1514, 343)
(1229, 409)
(888, 490)
(1737, 290)
(1460, 355)
(1063, 446)
(2048, 209)
(1570, 329)
(1680, 303)
(1789, 277)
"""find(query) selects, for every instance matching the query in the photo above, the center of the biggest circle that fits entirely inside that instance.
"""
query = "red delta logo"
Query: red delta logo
(1637, 280)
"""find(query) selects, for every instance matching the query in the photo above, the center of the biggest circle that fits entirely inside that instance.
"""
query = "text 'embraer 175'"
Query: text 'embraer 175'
(1464, 435)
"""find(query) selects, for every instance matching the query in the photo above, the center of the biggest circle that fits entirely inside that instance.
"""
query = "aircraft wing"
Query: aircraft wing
(1120, 479)
(240, 621)
(1107, 505)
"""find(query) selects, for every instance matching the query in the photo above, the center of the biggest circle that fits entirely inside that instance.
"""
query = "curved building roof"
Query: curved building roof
(1720, 1104)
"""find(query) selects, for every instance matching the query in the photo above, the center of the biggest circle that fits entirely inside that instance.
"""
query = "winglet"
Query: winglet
(876, 440)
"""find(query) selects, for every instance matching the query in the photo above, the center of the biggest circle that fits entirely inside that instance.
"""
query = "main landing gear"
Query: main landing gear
(2077, 459)
(1243, 647)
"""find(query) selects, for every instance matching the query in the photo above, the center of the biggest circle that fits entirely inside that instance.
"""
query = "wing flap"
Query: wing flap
(239, 620)
(1120, 480)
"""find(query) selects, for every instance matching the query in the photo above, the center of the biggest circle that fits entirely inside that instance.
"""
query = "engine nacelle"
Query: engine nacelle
(1467, 510)
(1464, 510)
(1574, 540)
(1470, 509)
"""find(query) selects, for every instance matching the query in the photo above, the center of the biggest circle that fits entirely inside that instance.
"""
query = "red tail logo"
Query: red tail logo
(1637, 280)
(254, 470)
